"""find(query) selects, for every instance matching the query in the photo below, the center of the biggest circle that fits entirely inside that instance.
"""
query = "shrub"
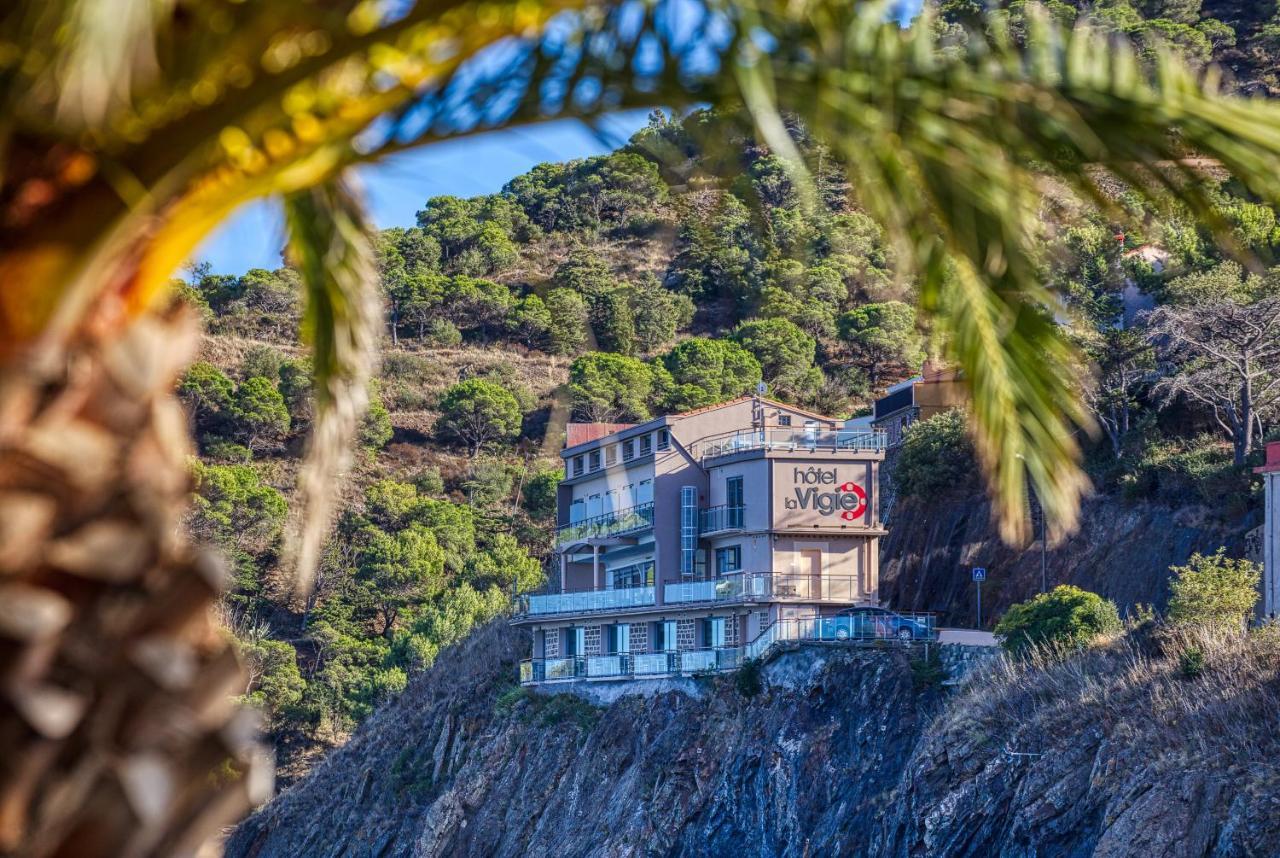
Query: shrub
(936, 456)
(1215, 591)
(1064, 617)
(748, 679)
(1191, 662)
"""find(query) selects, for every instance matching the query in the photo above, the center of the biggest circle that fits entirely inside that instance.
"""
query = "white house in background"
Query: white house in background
(1271, 532)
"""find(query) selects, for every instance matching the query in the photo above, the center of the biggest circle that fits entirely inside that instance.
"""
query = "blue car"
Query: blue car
(865, 623)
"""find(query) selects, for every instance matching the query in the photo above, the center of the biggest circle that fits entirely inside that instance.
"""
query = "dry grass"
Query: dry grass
(1137, 689)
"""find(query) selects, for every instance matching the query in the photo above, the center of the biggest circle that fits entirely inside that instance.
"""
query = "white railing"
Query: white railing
(795, 439)
(770, 586)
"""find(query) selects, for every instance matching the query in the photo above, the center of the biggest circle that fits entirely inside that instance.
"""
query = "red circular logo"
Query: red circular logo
(857, 511)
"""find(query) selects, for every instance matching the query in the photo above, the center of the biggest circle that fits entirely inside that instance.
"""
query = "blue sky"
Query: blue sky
(396, 189)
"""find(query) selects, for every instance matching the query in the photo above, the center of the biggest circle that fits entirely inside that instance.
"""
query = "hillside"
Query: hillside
(842, 752)
(679, 271)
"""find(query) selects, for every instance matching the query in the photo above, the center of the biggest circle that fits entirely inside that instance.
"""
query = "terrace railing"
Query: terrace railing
(765, 586)
(618, 523)
(587, 601)
(835, 441)
(836, 630)
(715, 519)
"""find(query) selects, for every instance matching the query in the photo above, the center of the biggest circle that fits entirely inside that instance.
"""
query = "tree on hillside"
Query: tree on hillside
(786, 356)
(658, 314)
(586, 273)
(206, 391)
(1214, 590)
(567, 334)
(1125, 363)
(233, 507)
(477, 412)
(259, 412)
(1219, 348)
(704, 372)
(608, 388)
(936, 457)
(476, 305)
(530, 322)
(720, 254)
(883, 336)
(398, 569)
(613, 322)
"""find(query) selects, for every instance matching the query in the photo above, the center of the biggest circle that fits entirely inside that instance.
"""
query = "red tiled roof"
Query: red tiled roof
(1273, 459)
(581, 433)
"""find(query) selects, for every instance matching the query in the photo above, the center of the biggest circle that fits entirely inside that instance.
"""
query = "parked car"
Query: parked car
(868, 622)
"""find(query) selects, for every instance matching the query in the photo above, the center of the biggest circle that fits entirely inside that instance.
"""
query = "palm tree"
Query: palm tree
(132, 128)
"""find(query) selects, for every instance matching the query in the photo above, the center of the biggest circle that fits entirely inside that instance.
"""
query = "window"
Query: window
(577, 466)
(664, 440)
(734, 500)
(577, 511)
(784, 419)
(636, 575)
(610, 455)
(575, 641)
(713, 631)
(645, 495)
(619, 638)
(646, 445)
(593, 460)
(628, 450)
(667, 640)
(728, 559)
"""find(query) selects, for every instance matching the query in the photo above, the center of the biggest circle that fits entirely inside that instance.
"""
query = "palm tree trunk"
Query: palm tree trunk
(118, 685)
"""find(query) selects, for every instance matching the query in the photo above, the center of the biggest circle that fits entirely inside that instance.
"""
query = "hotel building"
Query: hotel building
(683, 540)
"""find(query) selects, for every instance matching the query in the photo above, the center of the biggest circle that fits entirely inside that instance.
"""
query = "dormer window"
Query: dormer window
(628, 450)
(577, 466)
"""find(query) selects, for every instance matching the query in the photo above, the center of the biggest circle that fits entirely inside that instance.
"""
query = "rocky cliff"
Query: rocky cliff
(1122, 550)
(842, 751)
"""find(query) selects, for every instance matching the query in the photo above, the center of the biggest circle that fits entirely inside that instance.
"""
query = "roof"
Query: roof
(740, 399)
(581, 433)
(1273, 459)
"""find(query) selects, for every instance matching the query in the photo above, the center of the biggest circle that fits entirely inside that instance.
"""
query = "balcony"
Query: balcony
(717, 519)
(587, 601)
(625, 665)
(619, 523)
(765, 587)
(789, 440)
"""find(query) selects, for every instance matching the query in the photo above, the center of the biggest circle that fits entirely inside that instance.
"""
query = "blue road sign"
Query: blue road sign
(979, 573)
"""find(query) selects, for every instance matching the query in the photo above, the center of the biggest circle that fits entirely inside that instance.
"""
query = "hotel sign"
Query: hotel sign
(819, 495)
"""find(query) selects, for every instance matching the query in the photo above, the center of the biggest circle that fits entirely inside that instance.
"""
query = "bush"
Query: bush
(1191, 662)
(1064, 617)
(936, 457)
(748, 680)
(1215, 591)
(1200, 468)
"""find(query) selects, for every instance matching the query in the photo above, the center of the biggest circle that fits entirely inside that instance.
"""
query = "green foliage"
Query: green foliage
(231, 506)
(568, 709)
(657, 315)
(567, 333)
(883, 336)
(617, 192)
(476, 236)
(206, 391)
(262, 361)
(936, 457)
(478, 412)
(1066, 617)
(398, 569)
(530, 322)
(259, 411)
(785, 354)
(610, 387)
(1191, 662)
(505, 564)
(703, 372)
(375, 426)
(613, 322)
(1173, 470)
(1214, 590)
(540, 493)
(278, 685)
(490, 482)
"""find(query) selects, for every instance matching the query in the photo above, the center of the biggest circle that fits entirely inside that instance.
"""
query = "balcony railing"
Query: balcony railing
(835, 630)
(618, 523)
(840, 440)
(587, 601)
(765, 587)
(715, 519)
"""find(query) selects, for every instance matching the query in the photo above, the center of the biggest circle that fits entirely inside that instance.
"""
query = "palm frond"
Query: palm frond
(949, 153)
(330, 247)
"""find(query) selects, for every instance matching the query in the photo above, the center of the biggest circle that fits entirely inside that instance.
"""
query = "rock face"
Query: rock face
(1123, 550)
(842, 752)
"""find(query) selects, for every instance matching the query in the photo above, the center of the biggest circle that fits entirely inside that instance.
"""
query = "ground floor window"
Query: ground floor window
(619, 638)
(575, 641)
(714, 631)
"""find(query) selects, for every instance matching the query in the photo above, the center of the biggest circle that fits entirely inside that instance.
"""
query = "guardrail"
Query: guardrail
(617, 523)
(837, 630)
(840, 440)
(715, 519)
(765, 586)
(586, 601)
